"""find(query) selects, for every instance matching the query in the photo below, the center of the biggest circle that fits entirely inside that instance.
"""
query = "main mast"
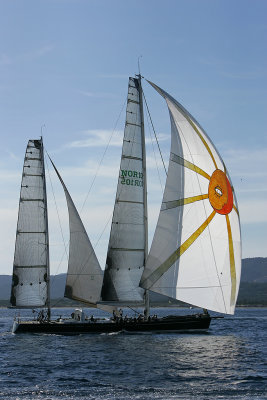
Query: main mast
(146, 293)
(47, 235)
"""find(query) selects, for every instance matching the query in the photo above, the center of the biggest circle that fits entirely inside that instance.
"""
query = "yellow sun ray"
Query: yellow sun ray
(203, 141)
(189, 165)
(232, 261)
(236, 210)
(177, 203)
(152, 278)
(201, 138)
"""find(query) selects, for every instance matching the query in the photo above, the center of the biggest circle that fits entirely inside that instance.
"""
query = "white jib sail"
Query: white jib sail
(85, 276)
(126, 250)
(195, 255)
(31, 260)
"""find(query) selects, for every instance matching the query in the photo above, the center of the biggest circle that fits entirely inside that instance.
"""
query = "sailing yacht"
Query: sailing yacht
(195, 255)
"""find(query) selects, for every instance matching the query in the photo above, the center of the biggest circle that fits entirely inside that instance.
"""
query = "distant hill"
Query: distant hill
(254, 270)
(253, 287)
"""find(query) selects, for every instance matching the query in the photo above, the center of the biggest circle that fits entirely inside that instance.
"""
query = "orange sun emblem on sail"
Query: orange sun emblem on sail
(220, 193)
(221, 198)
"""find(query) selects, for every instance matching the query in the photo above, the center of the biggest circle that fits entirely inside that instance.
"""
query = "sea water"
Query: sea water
(228, 362)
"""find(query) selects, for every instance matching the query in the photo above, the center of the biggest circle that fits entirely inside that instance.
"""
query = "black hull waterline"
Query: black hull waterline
(195, 323)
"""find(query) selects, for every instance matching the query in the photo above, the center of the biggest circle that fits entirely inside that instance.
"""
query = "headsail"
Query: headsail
(84, 277)
(127, 243)
(31, 259)
(195, 255)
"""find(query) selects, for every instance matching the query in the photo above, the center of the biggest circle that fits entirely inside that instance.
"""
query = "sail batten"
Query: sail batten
(195, 254)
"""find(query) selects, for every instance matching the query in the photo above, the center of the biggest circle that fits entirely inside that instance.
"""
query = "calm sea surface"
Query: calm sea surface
(229, 362)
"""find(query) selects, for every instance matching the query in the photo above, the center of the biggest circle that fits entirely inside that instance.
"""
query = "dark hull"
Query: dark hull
(198, 322)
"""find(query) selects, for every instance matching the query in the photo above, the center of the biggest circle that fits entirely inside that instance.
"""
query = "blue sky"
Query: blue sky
(64, 66)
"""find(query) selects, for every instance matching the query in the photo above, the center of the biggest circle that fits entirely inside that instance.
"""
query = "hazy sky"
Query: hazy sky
(64, 66)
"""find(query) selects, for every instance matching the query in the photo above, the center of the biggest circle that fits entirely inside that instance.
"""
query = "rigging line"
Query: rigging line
(154, 151)
(100, 162)
(99, 165)
(65, 247)
(55, 303)
(154, 132)
(108, 221)
(67, 193)
(137, 312)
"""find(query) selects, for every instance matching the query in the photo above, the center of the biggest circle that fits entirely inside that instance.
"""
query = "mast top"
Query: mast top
(139, 76)
(139, 73)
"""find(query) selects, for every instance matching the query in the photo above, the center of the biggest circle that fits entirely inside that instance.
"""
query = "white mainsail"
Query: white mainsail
(127, 243)
(31, 259)
(195, 254)
(84, 276)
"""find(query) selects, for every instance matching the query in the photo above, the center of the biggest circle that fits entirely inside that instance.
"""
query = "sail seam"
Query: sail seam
(25, 174)
(130, 123)
(22, 199)
(81, 274)
(121, 249)
(133, 101)
(132, 158)
(30, 266)
(129, 201)
(19, 232)
(126, 223)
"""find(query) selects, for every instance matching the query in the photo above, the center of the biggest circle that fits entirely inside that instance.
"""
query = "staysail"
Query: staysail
(84, 276)
(195, 254)
(31, 259)
(127, 243)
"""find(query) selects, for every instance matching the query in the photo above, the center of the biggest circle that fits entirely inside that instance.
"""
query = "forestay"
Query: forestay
(196, 250)
(84, 276)
(126, 250)
(31, 259)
